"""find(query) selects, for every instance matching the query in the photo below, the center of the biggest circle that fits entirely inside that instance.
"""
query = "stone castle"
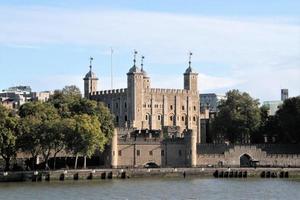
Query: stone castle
(162, 126)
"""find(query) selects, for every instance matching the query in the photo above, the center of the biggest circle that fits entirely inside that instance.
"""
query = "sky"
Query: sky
(253, 46)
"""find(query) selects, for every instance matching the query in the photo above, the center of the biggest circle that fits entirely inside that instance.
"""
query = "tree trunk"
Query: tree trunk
(84, 164)
(7, 163)
(46, 163)
(33, 162)
(76, 160)
(54, 161)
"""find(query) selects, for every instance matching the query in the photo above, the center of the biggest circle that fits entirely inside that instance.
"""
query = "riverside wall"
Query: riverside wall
(102, 174)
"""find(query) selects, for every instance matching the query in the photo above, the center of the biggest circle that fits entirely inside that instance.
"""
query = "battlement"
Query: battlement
(169, 91)
(112, 92)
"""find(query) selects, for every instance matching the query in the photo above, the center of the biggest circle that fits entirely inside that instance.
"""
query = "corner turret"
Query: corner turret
(90, 82)
(190, 77)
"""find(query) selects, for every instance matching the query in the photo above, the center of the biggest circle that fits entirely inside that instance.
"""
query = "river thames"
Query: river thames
(155, 188)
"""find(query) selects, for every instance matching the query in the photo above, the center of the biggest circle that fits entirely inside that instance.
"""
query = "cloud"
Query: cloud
(259, 52)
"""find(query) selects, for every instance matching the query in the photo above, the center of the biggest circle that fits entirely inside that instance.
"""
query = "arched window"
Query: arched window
(125, 118)
(125, 105)
(117, 119)
(158, 117)
(194, 118)
(146, 117)
(171, 118)
(171, 107)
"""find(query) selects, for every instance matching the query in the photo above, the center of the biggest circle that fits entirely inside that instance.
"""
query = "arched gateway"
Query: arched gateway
(245, 161)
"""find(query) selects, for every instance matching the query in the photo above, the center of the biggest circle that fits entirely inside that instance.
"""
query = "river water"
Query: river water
(155, 188)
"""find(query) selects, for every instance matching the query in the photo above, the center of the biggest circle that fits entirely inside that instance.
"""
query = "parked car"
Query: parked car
(151, 165)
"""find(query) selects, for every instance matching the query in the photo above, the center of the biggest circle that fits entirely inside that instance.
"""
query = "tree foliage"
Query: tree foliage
(8, 135)
(288, 117)
(238, 118)
(37, 128)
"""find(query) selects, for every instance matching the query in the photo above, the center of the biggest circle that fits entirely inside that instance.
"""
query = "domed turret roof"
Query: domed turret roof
(90, 74)
(190, 70)
(134, 69)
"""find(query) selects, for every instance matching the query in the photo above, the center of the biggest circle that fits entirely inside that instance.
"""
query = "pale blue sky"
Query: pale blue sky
(253, 45)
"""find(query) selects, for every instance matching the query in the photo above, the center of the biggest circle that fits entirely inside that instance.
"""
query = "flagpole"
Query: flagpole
(111, 67)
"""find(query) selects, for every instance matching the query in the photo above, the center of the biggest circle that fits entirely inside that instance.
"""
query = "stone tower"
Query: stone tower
(90, 82)
(135, 79)
(190, 77)
(146, 78)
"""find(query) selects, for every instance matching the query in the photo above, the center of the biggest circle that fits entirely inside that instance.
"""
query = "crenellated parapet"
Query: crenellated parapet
(115, 92)
(169, 91)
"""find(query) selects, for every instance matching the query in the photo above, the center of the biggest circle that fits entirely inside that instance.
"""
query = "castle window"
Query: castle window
(150, 153)
(120, 153)
(194, 119)
(179, 152)
(138, 152)
(125, 118)
(171, 107)
(182, 118)
(162, 153)
(171, 118)
(158, 117)
(144, 105)
(117, 105)
(195, 108)
(146, 117)
(117, 119)
(125, 105)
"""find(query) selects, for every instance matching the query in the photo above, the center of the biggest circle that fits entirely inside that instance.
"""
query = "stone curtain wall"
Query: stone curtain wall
(231, 156)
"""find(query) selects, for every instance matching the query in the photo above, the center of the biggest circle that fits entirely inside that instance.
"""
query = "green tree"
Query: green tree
(98, 109)
(289, 120)
(86, 136)
(63, 99)
(52, 139)
(238, 118)
(72, 91)
(37, 129)
(8, 135)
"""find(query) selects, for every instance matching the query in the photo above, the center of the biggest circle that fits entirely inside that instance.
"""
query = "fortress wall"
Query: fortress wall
(116, 101)
(175, 155)
(231, 157)
(128, 156)
(170, 107)
(169, 91)
(110, 92)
